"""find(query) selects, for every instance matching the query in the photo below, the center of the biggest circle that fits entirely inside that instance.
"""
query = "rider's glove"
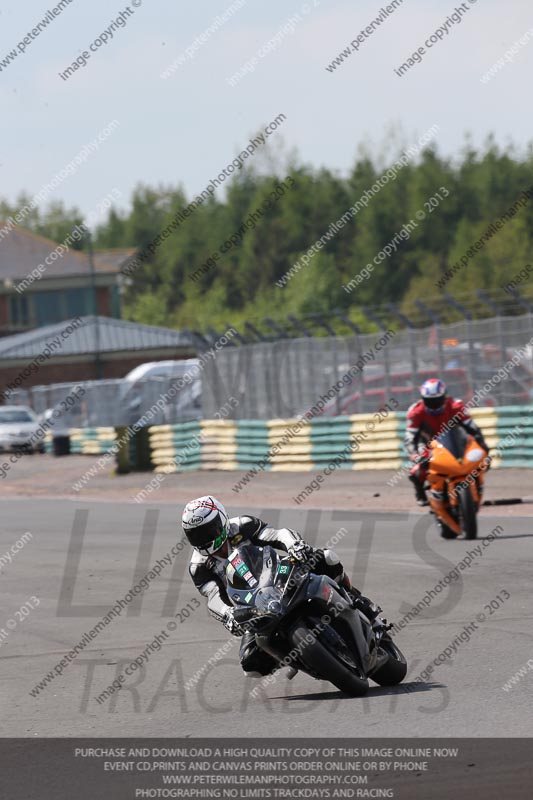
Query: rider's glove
(421, 458)
(300, 550)
(232, 626)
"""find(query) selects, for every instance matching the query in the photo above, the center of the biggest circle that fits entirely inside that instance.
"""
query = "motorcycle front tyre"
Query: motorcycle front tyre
(320, 660)
(395, 669)
(467, 508)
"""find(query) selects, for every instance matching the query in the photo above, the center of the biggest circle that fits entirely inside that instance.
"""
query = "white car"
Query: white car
(18, 426)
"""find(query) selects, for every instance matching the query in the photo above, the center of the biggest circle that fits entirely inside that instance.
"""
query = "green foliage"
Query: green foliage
(55, 223)
(241, 285)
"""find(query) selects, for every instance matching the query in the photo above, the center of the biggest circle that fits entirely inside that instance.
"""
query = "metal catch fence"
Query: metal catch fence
(360, 373)
(333, 375)
(109, 403)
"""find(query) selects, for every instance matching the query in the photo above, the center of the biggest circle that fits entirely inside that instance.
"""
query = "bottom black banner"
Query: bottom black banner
(127, 769)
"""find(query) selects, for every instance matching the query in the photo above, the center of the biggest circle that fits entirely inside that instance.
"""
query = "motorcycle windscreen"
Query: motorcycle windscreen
(245, 567)
(454, 440)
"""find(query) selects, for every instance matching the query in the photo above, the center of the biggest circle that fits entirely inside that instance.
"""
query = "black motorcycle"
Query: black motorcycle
(308, 621)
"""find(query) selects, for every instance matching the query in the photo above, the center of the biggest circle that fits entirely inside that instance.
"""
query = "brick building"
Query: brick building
(42, 283)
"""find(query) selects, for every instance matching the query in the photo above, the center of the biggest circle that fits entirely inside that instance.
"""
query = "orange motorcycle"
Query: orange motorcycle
(456, 472)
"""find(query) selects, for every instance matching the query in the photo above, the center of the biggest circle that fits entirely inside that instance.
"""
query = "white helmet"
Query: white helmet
(205, 524)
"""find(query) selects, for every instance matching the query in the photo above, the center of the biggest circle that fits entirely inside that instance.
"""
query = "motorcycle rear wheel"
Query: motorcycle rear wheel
(320, 660)
(467, 508)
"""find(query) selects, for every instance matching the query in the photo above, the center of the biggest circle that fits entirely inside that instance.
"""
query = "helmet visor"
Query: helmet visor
(210, 537)
(433, 402)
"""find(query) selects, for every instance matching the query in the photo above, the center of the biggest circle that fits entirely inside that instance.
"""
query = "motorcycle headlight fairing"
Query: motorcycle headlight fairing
(268, 600)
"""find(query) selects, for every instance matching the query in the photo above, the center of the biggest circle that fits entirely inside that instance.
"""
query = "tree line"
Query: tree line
(229, 260)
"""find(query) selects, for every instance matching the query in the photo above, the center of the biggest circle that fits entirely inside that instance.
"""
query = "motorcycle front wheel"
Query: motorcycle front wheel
(395, 669)
(320, 660)
(467, 510)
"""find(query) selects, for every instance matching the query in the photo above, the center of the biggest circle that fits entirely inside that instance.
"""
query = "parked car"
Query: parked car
(18, 426)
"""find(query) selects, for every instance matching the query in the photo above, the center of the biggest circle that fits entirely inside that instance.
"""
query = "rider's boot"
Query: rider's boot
(420, 492)
(359, 601)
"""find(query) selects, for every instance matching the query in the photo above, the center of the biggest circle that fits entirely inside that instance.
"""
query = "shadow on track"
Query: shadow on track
(374, 691)
(503, 538)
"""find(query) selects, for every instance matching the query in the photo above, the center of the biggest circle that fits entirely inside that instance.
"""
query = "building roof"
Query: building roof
(21, 251)
(115, 335)
(112, 260)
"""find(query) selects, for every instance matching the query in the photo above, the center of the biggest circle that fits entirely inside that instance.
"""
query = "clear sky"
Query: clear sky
(186, 128)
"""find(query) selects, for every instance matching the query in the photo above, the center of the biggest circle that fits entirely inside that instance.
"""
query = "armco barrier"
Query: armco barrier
(294, 444)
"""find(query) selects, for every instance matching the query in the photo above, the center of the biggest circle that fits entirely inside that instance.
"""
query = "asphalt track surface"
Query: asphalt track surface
(78, 570)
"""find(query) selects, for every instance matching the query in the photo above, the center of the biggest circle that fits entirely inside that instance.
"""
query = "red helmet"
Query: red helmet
(433, 393)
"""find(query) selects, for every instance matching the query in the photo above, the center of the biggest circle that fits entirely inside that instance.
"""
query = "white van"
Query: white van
(145, 384)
